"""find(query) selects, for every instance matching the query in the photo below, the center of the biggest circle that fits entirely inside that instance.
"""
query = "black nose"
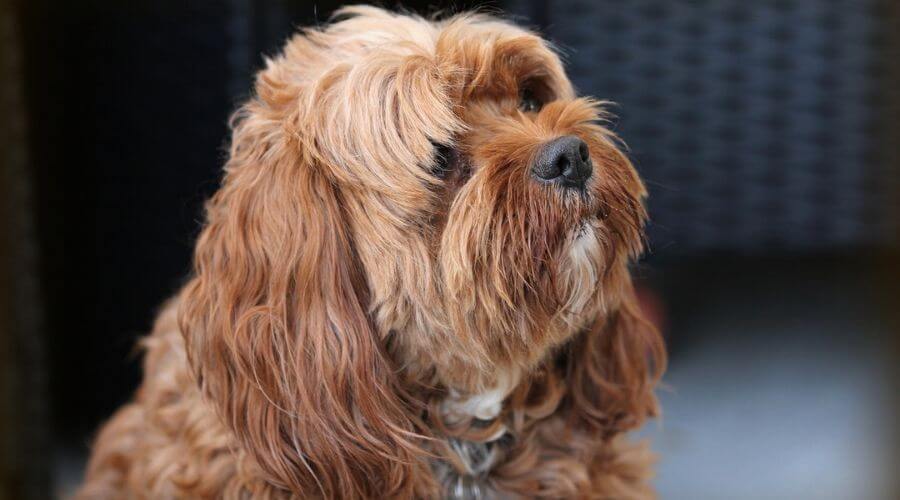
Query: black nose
(566, 159)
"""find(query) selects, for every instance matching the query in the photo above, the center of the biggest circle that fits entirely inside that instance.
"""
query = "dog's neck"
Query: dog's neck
(477, 457)
(484, 405)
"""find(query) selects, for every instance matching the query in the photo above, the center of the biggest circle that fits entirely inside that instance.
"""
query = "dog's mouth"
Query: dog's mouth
(591, 212)
(603, 211)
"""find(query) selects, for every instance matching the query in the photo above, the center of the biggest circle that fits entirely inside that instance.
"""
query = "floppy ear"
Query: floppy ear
(277, 332)
(613, 369)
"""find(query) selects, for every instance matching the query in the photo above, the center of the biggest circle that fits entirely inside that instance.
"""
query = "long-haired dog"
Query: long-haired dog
(413, 282)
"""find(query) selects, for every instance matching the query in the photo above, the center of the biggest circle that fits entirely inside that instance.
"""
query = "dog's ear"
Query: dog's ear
(612, 369)
(277, 332)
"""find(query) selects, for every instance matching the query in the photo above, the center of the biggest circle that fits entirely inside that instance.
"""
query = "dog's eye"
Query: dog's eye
(445, 159)
(450, 164)
(529, 102)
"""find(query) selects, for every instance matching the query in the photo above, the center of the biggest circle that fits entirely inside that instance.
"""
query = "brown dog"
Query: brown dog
(412, 283)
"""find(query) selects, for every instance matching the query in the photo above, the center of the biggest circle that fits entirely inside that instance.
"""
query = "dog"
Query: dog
(413, 282)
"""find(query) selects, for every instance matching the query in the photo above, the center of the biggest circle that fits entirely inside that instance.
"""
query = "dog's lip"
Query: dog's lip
(603, 212)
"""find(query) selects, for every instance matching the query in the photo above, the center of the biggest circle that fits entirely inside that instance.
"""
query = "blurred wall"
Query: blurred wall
(759, 127)
(129, 103)
(24, 433)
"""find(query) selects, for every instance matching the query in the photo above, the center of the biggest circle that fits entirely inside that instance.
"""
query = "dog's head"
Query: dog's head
(409, 203)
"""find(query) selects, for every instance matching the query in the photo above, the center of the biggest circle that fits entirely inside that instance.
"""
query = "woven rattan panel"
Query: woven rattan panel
(757, 125)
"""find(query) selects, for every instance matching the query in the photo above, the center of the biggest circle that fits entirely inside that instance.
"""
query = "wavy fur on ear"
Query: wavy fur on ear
(612, 369)
(277, 332)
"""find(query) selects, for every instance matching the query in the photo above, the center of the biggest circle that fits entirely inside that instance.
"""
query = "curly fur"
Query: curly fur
(362, 324)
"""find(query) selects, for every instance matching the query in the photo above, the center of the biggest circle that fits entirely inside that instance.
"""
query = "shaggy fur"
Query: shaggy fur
(385, 303)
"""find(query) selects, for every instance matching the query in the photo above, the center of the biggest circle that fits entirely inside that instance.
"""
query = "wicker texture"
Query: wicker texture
(757, 125)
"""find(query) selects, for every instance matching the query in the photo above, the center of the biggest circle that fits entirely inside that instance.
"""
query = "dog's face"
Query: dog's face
(491, 212)
(413, 208)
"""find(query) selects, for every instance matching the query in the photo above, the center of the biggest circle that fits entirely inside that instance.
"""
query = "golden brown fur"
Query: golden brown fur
(347, 300)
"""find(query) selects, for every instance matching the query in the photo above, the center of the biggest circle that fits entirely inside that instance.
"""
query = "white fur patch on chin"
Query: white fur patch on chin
(585, 247)
(485, 405)
(581, 271)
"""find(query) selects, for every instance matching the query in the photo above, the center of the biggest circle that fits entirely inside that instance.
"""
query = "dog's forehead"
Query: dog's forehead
(497, 57)
(481, 52)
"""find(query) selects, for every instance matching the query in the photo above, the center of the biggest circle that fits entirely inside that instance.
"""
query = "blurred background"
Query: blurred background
(768, 133)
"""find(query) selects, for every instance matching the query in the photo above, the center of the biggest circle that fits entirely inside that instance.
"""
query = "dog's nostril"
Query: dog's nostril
(565, 159)
(561, 166)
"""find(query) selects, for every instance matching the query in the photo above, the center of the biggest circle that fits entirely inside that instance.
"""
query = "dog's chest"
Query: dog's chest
(471, 483)
(464, 474)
